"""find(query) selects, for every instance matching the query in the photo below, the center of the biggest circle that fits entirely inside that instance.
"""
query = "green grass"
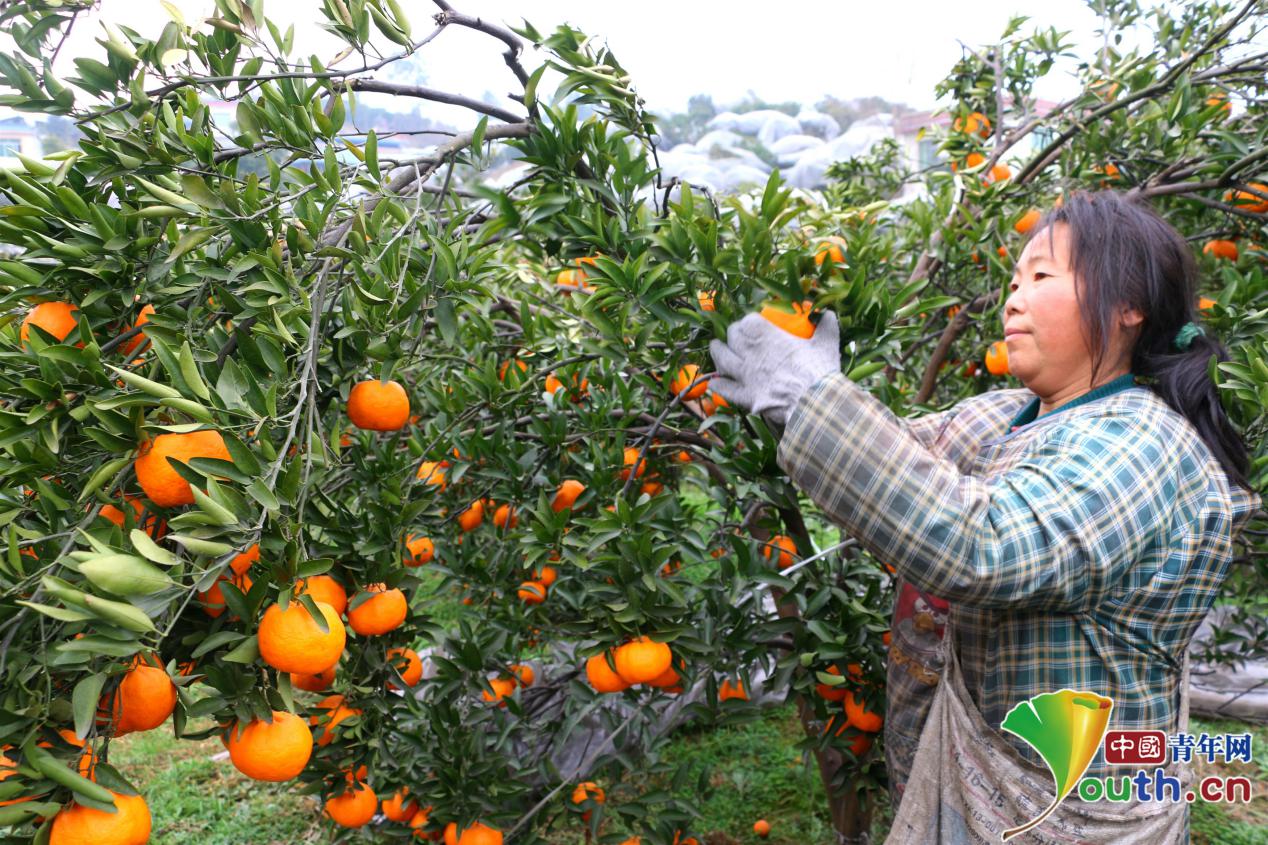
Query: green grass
(1233, 824)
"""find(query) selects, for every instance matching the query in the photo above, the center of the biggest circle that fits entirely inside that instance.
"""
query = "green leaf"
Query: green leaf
(125, 575)
(84, 702)
(189, 372)
(150, 550)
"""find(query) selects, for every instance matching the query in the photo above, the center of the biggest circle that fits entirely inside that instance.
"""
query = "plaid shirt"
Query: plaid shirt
(1080, 550)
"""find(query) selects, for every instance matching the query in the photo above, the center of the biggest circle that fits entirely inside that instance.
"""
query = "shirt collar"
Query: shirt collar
(1031, 412)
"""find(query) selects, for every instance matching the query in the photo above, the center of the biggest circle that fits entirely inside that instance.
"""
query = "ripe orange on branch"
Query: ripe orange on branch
(144, 699)
(470, 519)
(378, 405)
(1247, 201)
(161, 483)
(354, 807)
(630, 458)
(532, 592)
(830, 248)
(418, 550)
(398, 808)
(318, 682)
(567, 494)
(271, 751)
(782, 545)
(129, 824)
(730, 690)
(291, 640)
(860, 717)
(795, 323)
(383, 611)
(336, 712)
(642, 660)
(997, 358)
(688, 374)
(1027, 221)
(602, 677)
(56, 318)
(502, 688)
(974, 122)
(324, 588)
(433, 473)
(1224, 249)
(407, 662)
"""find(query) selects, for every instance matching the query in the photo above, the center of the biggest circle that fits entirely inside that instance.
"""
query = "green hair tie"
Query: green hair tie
(1185, 336)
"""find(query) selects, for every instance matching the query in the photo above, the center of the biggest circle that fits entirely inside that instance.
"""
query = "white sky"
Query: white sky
(791, 50)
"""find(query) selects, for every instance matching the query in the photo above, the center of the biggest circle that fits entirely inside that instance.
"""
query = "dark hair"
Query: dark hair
(1128, 256)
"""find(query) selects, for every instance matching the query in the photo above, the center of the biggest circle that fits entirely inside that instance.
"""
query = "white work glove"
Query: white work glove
(766, 370)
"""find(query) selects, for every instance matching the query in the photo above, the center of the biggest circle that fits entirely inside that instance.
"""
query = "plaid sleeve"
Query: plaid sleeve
(926, 427)
(1057, 531)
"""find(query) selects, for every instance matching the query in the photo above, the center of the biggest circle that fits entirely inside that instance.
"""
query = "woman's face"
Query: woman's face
(1050, 354)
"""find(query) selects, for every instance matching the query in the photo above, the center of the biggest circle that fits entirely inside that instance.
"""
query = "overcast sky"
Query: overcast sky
(788, 50)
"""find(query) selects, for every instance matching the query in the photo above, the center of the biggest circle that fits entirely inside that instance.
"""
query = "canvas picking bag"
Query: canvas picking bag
(968, 785)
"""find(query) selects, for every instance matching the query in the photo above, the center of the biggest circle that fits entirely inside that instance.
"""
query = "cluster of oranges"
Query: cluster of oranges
(855, 712)
(640, 661)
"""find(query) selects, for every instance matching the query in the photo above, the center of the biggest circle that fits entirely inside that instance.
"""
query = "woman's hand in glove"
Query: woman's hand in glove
(765, 369)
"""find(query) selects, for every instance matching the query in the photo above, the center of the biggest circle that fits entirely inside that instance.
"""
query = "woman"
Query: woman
(1079, 528)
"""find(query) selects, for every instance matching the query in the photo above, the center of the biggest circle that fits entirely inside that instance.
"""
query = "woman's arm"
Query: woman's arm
(1058, 530)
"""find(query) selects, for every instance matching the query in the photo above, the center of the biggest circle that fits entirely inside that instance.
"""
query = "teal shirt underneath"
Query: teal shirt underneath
(1031, 412)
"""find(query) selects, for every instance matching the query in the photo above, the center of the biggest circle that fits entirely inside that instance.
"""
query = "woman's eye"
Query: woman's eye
(1038, 275)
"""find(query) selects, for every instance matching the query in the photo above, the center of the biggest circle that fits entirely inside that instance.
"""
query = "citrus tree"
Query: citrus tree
(402, 485)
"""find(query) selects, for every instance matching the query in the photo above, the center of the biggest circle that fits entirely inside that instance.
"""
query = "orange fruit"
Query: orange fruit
(433, 473)
(271, 751)
(796, 323)
(705, 299)
(1000, 173)
(1221, 249)
(974, 122)
(131, 344)
(398, 808)
(667, 680)
(762, 828)
(129, 824)
(502, 369)
(712, 403)
(860, 717)
(686, 375)
(378, 405)
(354, 807)
(787, 550)
(545, 576)
(971, 160)
(573, 277)
(1104, 89)
(1247, 201)
(407, 662)
(524, 674)
(886, 637)
(317, 682)
(419, 550)
(1204, 304)
(502, 688)
(505, 514)
(671, 568)
(471, 518)
(1027, 221)
(1219, 98)
(997, 358)
(56, 318)
(291, 640)
(588, 791)
(683, 457)
(830, 248)
(630, 459)
(532, 592)
(242, 561)
(553, 384)
(324, 588)
(566, 495)
(477, 834)
(337, 712)
(213, 598)
(642, 660)
(602, 677)
(144, 699)
(419, 820)
(160, 482)
(382, 612)
(144, 520)
(728, 690)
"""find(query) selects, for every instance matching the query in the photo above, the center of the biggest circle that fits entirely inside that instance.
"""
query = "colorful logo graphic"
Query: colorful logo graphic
(1065, 728)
